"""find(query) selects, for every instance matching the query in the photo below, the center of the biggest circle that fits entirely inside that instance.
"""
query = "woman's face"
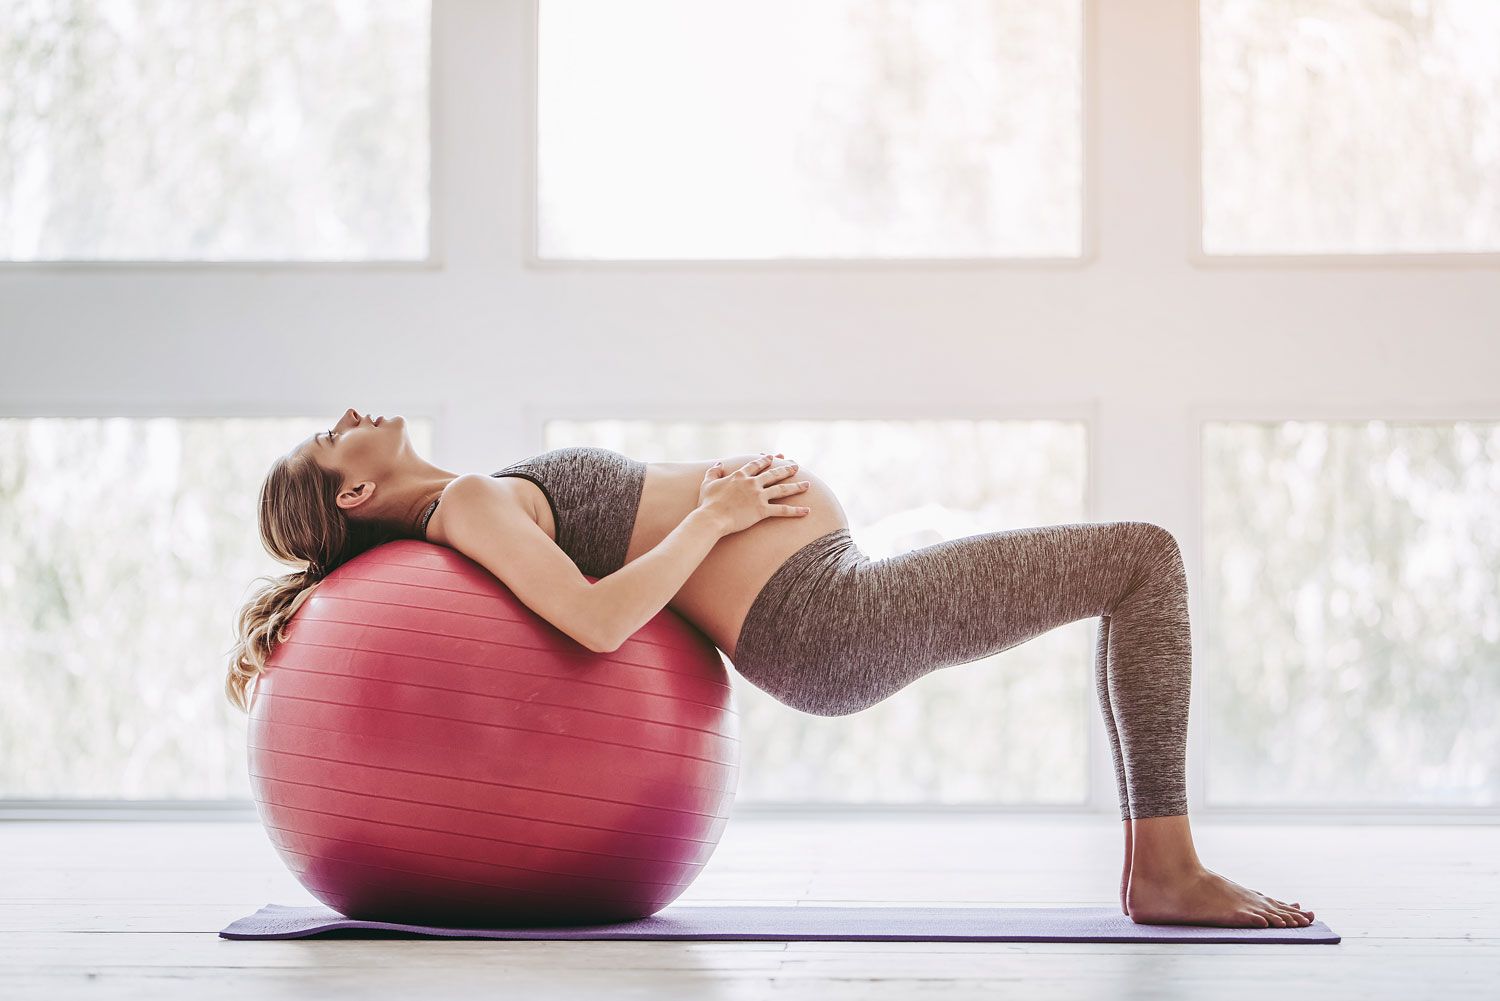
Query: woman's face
(359, 448)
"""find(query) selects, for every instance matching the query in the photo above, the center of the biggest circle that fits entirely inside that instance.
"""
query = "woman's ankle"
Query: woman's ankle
(1163, 847)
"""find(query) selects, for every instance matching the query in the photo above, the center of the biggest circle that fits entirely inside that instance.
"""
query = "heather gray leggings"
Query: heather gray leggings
(834, 631)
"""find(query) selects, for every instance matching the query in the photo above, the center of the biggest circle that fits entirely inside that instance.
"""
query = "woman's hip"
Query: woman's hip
(788, 616)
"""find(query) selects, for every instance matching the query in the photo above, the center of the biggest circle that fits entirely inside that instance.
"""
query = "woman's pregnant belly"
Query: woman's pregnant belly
(719, 593)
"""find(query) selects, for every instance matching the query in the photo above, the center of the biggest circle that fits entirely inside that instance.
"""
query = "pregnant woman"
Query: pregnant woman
(756, 552)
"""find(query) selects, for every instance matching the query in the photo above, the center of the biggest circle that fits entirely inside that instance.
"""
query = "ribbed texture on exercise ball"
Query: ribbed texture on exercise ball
(425, 748)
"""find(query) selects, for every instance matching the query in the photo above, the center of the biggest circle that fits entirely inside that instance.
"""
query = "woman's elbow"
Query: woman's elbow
(602, 640)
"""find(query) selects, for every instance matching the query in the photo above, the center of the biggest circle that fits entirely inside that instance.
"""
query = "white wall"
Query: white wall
(1141, 336)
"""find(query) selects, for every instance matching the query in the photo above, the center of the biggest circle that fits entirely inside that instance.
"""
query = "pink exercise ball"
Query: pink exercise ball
(426, 749)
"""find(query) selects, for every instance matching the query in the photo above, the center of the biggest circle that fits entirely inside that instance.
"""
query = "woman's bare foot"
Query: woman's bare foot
(1169, 885)
(1206, 898)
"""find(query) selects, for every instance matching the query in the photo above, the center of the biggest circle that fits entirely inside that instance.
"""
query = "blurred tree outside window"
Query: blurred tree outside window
(281, 130)
(1350, 126)
(1352, 612)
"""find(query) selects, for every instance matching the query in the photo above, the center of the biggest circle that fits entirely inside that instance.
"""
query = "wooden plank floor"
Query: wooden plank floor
(132, 909)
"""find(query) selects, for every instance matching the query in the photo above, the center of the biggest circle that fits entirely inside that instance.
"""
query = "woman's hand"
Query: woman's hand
(743, 498)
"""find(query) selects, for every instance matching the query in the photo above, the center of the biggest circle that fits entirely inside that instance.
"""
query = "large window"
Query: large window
(1353, 612)
(674, 129)
(231, 130)
(1011, 728)
(127, 545)
(1350, 126)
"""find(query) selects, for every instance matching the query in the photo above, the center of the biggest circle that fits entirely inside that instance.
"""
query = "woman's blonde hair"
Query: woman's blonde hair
(299, 523)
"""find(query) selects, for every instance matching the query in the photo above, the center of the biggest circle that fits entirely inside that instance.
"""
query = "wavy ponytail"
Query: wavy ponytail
(300, 522)
(260, 626)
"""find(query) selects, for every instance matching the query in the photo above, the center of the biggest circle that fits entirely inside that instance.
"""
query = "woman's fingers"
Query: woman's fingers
(778, 472)
(758, 463)
(783, 490)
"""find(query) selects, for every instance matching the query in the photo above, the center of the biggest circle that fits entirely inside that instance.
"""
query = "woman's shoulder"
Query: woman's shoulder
(465, 491)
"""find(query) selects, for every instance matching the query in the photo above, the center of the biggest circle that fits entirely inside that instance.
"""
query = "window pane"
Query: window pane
(127, 546)
(233, 130)
(672, 129)
(1011, 728)
(1345, 126)
(1353, 612)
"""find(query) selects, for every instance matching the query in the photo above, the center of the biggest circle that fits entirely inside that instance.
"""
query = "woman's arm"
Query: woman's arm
(728, 502)
(627, 599)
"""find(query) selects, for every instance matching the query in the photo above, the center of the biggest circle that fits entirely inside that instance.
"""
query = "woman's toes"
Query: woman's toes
(1285, 909)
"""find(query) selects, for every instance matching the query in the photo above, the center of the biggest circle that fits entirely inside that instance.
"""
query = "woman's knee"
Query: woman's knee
(1156, 539)
(1154, 553)
(1147, 537)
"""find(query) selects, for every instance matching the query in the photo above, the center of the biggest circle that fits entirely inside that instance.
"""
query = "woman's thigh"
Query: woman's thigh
(844, 631)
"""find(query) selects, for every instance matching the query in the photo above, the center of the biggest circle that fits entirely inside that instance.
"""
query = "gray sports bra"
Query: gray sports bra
(594, 494)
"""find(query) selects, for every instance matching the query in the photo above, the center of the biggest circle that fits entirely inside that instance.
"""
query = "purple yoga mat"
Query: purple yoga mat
(807, 924)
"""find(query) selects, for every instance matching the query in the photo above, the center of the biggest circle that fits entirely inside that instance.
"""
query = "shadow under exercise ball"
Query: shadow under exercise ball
(424, 748)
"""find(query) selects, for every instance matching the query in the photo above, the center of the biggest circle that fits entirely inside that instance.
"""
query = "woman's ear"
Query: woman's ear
(353, 496)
